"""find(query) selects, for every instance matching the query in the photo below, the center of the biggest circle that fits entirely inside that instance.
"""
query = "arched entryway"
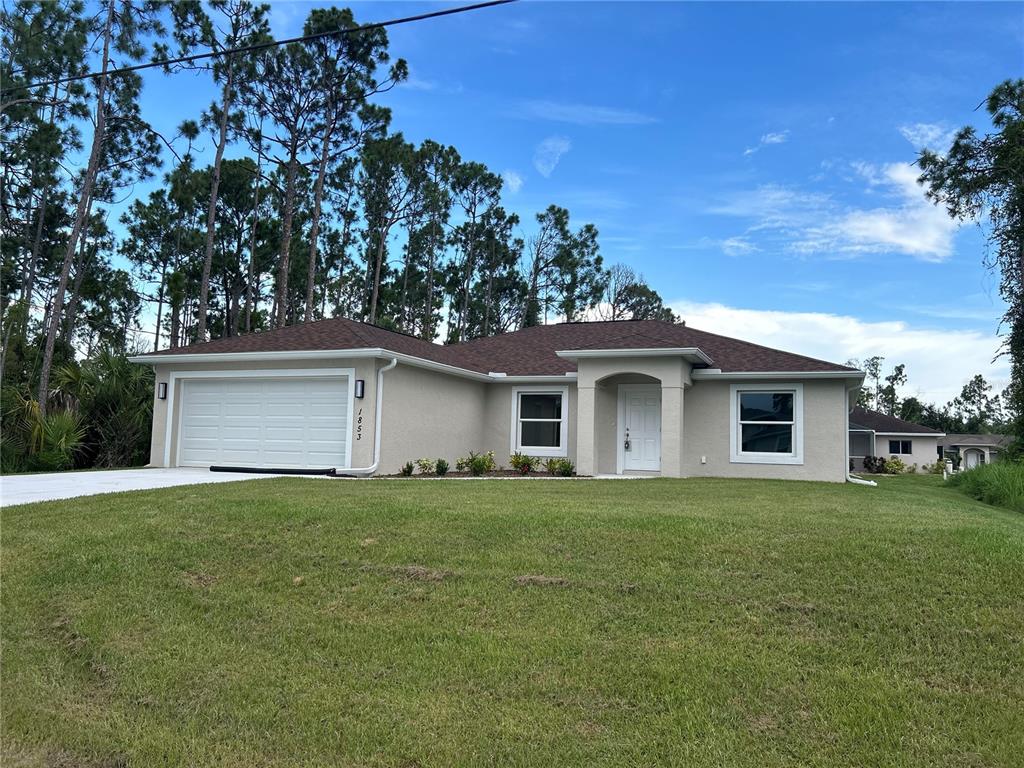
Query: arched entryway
(973, 457)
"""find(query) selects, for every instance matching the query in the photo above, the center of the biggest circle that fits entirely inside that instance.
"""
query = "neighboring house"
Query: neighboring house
(622, 397)
(876, 434)
(972, 450)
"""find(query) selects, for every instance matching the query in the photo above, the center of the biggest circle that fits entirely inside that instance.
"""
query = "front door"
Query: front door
(640, 427)
(972, 458)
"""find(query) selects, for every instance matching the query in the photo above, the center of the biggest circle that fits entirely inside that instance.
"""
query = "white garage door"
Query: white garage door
(265, 422)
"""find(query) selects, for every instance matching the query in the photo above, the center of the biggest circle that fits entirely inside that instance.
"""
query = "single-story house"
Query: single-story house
(620, 397)
(876, 434)
(973, 450)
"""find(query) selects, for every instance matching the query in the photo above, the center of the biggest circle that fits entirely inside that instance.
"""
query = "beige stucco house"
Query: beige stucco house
(624, 397)
(971, 450)
(877, 434)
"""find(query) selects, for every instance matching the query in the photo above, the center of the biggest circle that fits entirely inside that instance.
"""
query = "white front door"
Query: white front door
(972, 458)
(640, 427)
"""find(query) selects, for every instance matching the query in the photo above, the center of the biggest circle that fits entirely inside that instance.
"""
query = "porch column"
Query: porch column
(671, 431)
(586, 449)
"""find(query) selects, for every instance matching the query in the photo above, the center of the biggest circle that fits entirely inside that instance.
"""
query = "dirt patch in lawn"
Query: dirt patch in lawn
(19, 757)
(541, 581)
(199, 579)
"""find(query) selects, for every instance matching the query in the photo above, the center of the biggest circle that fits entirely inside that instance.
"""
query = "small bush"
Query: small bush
(407, 469)
(874, 464)
(484, 460)
(559, 466)
(934, 469)
(522, 463)
(441, 467)
(426, 466)
(478, 465)
(1000, 484)
(895, 466)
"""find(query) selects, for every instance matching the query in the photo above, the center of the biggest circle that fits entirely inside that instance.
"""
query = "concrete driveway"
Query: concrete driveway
(24, 489)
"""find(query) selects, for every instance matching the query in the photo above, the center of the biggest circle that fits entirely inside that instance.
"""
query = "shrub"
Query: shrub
(484, 460)
(895, 466)
(441, 467)
(934, 469)
(1000, 484)
(874, 464)
(426, 466)
(37, 444)
(407, 468)
(478, 465)
(560, 467)
(522, 463)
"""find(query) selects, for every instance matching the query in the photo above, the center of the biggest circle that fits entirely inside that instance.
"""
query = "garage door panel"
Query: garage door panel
(265, 422)
(241, 432)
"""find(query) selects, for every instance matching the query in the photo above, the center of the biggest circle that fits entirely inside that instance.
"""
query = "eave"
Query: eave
(691, 354)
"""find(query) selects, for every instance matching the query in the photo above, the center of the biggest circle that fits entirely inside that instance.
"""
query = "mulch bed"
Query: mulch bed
(496, 473)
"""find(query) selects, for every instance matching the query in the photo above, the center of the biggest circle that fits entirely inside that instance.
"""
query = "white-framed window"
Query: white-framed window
(539, 421)
(900, 447)
(766, 423)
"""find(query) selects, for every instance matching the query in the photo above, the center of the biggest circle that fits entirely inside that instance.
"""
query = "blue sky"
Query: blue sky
(753, 161)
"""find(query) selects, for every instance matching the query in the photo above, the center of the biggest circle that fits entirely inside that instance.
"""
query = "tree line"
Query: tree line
(310, 207)
(328, 212)
(976, 410)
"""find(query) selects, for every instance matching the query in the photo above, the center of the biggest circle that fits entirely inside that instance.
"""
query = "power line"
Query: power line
(269, 44)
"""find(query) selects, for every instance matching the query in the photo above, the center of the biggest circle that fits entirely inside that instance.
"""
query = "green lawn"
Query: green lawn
(292, 622)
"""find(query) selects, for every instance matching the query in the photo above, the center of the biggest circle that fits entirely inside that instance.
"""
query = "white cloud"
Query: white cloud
(738, 246)
(933, 136)
(779, 137)
(814, 223)
(513, 181)
(414, 83)
(425, 85)
(549, 152)
(939, 362)
(915, 226)
(582, 114)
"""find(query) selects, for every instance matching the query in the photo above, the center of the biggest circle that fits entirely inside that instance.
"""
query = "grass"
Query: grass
(1000, 483)
(296, 622)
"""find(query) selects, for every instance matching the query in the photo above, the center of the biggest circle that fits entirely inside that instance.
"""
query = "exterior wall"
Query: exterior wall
(431, 414)
(496, 434)
(365, 368)
(428, 415)
(925, 448)
(706, 414)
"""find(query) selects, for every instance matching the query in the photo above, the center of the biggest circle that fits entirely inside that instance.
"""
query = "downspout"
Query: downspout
(849, 476)
(378, 408)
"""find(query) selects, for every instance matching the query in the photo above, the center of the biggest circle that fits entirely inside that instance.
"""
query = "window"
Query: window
(767, 424)
(899, 447)
(539, 421)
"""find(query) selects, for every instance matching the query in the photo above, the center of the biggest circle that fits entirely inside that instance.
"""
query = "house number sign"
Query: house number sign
(359, 424)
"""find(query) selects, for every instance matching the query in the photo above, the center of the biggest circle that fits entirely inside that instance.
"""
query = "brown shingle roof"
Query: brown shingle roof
(864, 418)
(528, 352)
(531, 351)
(950, 440)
